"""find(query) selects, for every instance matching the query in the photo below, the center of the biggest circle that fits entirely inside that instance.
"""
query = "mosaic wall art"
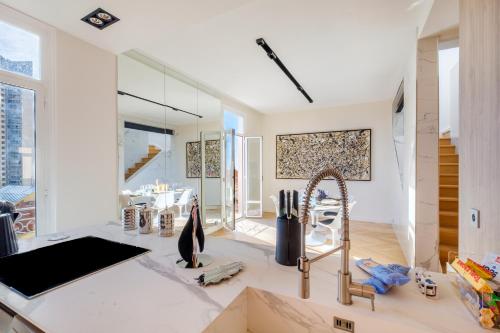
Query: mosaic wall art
(299, 156)
(193, 159)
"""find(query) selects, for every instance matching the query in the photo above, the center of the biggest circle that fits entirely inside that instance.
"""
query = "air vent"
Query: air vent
(100, 19)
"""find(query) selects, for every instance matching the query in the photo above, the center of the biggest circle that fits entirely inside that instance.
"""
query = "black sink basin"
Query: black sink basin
(36, 272)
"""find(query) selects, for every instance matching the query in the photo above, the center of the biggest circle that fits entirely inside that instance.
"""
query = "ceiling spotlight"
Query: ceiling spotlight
(96, 21)
(100, 19)
(104, 16)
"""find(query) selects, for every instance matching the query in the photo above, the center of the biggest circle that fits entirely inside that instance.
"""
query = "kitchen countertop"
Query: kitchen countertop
(151, 294)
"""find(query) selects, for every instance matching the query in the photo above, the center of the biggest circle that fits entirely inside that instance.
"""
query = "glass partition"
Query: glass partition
(161, 147)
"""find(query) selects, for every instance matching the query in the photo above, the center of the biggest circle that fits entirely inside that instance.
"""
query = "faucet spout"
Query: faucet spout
(346, 288)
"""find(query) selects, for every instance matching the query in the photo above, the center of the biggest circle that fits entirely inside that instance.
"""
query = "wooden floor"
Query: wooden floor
(368, 240)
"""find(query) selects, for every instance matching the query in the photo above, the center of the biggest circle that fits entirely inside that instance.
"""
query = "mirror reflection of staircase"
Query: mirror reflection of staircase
(448, 199)
(152, 152)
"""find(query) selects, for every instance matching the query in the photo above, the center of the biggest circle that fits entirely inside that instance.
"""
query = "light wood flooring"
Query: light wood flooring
(368, 240)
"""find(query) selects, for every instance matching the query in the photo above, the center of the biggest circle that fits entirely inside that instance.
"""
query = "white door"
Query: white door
(253, 176)
(228, 191)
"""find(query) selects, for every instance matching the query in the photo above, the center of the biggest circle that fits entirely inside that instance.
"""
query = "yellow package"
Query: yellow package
(479, 269)
(471, 276)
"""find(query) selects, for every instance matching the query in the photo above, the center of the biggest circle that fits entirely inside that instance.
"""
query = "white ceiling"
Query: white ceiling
(342, 52)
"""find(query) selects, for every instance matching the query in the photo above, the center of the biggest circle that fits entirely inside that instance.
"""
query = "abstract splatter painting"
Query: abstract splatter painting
(299, 156)
(193, 159)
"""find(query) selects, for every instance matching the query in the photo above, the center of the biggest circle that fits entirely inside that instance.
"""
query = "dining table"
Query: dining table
(149, 197)
(317, 236)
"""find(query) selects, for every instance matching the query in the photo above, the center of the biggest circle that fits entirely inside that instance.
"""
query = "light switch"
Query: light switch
(474, 217)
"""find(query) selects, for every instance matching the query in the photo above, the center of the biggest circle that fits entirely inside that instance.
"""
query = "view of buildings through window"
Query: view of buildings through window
(17, 137)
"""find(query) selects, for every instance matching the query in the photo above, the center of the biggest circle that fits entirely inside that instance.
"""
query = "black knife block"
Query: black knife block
(287, 240)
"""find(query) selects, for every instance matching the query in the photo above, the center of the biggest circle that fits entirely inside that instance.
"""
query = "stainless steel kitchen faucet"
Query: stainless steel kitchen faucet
(346, 288)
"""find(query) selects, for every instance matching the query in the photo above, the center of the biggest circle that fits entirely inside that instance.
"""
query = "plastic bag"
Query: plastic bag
(387, 276)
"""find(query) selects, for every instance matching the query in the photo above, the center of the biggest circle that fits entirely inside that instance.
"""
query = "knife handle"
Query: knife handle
(288, 205)
(282, 210)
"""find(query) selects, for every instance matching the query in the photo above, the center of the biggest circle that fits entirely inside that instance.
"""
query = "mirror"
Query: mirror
(159, 148)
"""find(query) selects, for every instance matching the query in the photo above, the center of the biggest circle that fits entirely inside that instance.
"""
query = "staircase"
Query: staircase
(152, 152)
(448, 199)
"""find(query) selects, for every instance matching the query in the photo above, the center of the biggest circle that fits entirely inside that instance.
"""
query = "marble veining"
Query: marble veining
(169, 273)
(427, 156)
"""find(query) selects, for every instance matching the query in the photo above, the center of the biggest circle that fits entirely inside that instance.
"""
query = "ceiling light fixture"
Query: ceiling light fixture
(100, 19)
(262, 43)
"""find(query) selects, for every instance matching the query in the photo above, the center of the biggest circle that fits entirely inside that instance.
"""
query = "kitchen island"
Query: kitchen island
(152, 294)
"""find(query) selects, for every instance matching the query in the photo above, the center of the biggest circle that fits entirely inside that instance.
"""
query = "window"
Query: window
(17, 153)
(19, 51)
(20, 98)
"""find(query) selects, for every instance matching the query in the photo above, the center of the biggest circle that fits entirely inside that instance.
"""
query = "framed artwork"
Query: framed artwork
(193, 159)
(299, 156)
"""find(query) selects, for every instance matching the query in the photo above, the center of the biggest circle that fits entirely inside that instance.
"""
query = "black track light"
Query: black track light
(270, 53)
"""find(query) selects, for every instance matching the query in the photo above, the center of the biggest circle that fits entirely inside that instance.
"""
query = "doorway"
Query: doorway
(234, 121)
(448, 63)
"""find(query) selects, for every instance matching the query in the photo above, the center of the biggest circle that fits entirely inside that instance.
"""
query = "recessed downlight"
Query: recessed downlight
(100, 19)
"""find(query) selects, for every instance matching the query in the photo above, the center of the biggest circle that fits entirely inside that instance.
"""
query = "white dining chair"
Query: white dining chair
(334, 222)
(183, 201)
(276, 204)
(164, 200)
(124, 200)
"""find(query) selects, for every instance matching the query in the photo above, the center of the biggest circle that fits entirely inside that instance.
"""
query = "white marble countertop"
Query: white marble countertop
(151, 294)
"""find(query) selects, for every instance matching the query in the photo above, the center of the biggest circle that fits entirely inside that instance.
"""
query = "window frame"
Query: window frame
(45, 120)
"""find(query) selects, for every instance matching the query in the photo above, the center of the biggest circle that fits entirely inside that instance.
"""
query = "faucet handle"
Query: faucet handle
(362, 290)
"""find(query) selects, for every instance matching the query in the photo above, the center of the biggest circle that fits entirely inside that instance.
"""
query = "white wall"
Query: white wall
(374, 198)
(85, 127)
(448, 62)
(404, 199)
(454, 105)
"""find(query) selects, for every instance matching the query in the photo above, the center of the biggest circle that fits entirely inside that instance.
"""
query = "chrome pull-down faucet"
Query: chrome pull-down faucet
(346, 287)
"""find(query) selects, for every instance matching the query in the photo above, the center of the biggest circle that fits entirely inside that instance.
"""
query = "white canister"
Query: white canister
(166, 223)
(145, 220)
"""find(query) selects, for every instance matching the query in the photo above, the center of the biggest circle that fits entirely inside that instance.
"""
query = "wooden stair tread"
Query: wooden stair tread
(448, 186)
(448, 236)
(447, 213)
(449, 174)
(448, 163)
(447, 247)
(448, 199)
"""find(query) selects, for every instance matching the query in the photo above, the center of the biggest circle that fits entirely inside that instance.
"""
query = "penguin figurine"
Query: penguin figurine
(192, 238)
